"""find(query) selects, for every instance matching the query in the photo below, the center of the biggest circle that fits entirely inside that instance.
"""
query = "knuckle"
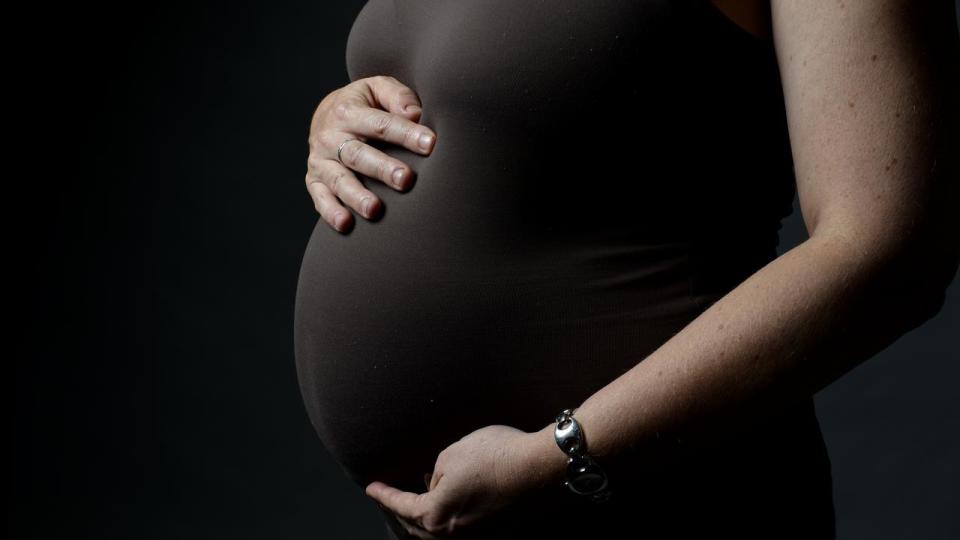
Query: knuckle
(341, 111)
(402, 127)
(336, 181)
(382, 123)
(384, 169)
(318, 204)
(315, 137)
(352, 153)
(313, 162)
(323, 138)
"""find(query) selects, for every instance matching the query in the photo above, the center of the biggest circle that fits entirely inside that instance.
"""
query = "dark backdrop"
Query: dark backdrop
(158, 235)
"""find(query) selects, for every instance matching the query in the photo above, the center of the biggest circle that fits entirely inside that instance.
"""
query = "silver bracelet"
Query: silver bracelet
(584, 476)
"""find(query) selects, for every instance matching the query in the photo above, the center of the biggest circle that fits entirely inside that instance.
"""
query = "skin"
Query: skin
(870, 93)
(378, 107)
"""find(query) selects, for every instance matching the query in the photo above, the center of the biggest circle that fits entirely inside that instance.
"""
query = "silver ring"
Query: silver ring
(339, 148)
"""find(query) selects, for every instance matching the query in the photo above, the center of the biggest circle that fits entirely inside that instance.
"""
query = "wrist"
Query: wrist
(544, 459)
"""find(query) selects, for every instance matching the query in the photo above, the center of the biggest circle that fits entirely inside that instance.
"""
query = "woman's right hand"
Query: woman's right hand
(355, 112)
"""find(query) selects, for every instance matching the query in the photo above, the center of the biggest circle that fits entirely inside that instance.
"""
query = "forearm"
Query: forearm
(793, 327)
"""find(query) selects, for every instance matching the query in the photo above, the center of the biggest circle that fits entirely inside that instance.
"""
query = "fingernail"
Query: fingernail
(425, 141)
(365, 206)
(410, 107)
(338, 220)
(398, 176)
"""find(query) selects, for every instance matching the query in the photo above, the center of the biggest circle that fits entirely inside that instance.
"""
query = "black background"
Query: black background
(158, 236)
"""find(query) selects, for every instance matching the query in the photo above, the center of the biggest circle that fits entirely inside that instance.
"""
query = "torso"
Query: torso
(604, 170)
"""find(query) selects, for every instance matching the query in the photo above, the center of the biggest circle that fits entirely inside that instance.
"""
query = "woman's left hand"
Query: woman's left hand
(472, 480)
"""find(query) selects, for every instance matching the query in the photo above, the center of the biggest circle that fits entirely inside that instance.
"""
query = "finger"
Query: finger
(344, 185)
(394, 96)
(403, 503)
(358, 117)
(326, 204)
(365, 159)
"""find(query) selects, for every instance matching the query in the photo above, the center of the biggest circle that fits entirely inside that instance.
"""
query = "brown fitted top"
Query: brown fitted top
(603, 172)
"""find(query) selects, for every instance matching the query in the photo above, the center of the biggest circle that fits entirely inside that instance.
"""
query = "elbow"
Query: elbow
(905, 261)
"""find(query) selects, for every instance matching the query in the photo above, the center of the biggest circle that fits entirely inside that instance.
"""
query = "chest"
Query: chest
(537, 55)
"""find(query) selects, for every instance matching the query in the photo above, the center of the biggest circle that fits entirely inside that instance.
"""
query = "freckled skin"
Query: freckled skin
(833, 288)
(806, 317)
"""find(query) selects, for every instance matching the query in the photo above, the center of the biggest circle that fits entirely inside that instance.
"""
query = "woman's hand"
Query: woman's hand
(352, 112)
(472, 481)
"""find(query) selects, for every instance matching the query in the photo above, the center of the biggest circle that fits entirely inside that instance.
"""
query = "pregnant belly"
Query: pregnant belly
(460, 310)
(405, 345)
(449, 314)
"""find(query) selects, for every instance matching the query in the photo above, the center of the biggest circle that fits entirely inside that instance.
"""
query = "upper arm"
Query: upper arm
(870, 89)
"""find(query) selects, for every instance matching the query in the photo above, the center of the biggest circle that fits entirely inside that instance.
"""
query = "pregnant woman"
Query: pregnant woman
(591, 224)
